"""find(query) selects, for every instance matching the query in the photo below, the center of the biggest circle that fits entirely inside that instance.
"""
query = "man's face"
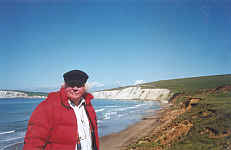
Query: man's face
(75, 93)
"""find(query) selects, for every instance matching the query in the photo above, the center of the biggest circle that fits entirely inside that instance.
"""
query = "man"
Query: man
(66, 120)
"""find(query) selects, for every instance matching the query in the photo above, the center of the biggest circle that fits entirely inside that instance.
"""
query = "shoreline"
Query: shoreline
(120, 140)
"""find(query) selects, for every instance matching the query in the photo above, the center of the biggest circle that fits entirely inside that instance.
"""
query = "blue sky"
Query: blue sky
(116, 42)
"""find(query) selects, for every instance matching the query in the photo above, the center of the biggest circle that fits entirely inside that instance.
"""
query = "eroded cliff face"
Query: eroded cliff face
(135, 93)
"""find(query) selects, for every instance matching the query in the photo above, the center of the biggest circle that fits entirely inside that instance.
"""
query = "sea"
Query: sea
(113, 116)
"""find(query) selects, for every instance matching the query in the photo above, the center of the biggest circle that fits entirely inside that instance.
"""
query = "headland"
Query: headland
(197, 117)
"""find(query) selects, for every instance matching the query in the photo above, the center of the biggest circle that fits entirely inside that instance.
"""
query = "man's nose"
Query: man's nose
(75, 88)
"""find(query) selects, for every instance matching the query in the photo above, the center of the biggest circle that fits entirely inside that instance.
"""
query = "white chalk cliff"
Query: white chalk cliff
(16, 94)
(11, 94)
(135, 93)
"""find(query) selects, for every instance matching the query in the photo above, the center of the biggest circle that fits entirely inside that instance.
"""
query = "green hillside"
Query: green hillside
(191, 85)
(206, 121)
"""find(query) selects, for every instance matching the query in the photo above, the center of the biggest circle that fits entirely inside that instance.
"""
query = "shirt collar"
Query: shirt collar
(82, 102)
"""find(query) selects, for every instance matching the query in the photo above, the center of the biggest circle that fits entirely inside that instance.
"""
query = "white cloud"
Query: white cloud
(139, 82)
(119, 83)
(43, 88)
(94, 84)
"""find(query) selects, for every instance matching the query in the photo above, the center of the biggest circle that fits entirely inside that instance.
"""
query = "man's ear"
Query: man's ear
(86, 86)
(64, 85)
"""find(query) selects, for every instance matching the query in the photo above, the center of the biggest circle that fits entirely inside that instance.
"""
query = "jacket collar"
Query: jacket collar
(64, 99)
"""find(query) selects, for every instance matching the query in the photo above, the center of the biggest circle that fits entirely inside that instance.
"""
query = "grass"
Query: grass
(191, 85)
(35, 93)
(211, 120)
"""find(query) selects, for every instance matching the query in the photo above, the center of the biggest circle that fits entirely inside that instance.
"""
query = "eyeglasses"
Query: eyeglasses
(74, 84)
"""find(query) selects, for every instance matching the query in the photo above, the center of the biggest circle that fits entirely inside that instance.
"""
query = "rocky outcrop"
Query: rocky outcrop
(135, 93)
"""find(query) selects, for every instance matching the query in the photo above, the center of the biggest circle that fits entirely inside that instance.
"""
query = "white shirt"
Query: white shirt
(83, 125)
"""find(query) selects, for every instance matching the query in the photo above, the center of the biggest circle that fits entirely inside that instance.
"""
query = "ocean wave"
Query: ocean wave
(111, 106)
(125, 108)
(138, 105)
(99, 110)
(120, 115)
(18, 121)
(29, 102)
(7, 132)
(131, 107)
(11, 139)
(10, 145)
(107, 115)
(99, 121)
(13, 122)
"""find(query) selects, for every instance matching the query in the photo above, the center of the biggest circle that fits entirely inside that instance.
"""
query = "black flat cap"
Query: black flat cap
(75, 78)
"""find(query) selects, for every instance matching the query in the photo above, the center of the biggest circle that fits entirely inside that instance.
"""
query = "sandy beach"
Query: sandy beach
(118, 141)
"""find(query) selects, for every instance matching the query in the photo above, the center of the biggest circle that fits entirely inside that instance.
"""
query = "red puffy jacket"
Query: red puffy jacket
(53, 124)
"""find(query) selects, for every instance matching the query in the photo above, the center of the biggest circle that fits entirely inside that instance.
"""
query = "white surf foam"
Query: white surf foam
(11, 139)
(111, 106)
(108, 115)
(7, 132)
(99, 110)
